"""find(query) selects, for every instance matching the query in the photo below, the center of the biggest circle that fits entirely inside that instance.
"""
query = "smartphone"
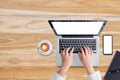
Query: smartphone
(107, 45)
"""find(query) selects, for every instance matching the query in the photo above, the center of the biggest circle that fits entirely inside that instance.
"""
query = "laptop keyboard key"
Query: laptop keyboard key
(77, 44)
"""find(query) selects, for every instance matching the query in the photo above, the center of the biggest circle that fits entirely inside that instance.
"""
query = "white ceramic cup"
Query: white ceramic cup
(45, 47)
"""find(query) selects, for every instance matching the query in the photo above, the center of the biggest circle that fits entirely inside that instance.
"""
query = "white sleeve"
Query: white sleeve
(95, 76)
(57, 76)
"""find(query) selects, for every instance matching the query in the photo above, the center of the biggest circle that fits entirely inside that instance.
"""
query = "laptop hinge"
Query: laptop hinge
(78, 36)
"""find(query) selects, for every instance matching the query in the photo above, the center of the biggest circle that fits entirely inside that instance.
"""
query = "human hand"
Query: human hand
(67, 59)
(86, 58)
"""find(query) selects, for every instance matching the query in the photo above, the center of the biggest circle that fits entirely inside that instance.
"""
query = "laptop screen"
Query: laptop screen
(77, 27)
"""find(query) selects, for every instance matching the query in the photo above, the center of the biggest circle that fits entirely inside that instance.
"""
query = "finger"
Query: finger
(82, 51)
(80, 55)
(67, 50)
(71, 52)
(91, 51)
(64, 52)
(85, 50)
(88, 49)
(61, 52)
(67, 53)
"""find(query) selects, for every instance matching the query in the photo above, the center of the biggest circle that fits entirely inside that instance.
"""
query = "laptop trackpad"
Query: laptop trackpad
(76, 61)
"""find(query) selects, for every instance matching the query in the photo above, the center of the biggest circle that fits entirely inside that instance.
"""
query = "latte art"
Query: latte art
(44, 47)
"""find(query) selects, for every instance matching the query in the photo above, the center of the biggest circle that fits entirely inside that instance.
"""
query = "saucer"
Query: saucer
(42, 52)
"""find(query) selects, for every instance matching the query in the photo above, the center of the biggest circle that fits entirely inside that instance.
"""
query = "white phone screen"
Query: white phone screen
(107, 45)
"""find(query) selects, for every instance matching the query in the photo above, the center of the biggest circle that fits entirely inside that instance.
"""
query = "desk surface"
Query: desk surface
(21, 29)
(20, 60)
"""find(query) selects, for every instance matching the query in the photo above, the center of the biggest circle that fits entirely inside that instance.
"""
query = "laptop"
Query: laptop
(77, 33)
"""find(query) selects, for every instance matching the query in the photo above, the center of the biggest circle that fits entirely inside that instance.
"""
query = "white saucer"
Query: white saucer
(50, 48)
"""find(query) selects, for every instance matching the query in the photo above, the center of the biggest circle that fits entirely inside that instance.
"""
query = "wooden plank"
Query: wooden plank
(54, 15)
(23, 41)
(41, 25)
(37, 73)
(64, 6)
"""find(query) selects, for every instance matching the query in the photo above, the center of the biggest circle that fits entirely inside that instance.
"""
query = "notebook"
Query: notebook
(113, 72)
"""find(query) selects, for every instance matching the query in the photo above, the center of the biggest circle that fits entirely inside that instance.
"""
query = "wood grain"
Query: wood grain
(64, 6)
(23, 23)
(41, 25)
(18, 54)
(18, 50)
(38, 73)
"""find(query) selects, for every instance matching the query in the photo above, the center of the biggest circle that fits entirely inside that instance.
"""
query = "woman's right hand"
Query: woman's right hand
(86, 58)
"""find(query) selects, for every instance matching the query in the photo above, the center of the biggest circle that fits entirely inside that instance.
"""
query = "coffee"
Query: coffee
(44, 47)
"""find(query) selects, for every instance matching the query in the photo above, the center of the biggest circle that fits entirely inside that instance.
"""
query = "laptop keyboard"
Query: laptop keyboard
(77, 44)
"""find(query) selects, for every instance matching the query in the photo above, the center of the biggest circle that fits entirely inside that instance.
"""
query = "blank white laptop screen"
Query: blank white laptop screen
(82, 28)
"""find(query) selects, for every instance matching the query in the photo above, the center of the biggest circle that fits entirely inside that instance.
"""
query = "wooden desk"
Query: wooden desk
(23, 25)
(20, 60)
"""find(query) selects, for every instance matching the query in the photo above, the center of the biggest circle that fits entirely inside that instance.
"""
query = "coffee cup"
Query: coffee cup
(45, 47)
